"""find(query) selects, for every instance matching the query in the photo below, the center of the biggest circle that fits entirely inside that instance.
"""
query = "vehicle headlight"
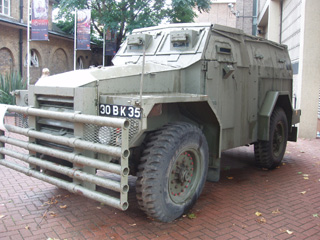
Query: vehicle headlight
(104, 135)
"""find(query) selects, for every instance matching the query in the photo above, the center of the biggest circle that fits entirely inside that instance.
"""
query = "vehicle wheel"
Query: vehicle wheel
(172, 171)
(269, 154)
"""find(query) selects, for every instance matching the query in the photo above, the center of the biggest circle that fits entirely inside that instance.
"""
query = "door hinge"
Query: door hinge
(204, 66)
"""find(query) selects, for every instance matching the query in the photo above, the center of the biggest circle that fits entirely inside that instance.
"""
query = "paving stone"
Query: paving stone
(225, 210)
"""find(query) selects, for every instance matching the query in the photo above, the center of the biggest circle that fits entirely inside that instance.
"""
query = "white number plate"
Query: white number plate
(119, 111)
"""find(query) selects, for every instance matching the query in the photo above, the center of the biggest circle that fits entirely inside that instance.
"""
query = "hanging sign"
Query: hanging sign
(39, 22)
(83, 29)
(111, 43)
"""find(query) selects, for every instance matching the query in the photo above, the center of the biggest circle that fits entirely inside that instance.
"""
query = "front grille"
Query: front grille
(108, 135)
(57, 104)
(92, 133)
(21, 120)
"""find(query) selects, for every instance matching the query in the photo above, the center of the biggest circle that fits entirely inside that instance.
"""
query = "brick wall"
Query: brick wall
(244, 21)
(9, 40)
(56, 54)
(14, 13)
(218, 14)
(6, 60)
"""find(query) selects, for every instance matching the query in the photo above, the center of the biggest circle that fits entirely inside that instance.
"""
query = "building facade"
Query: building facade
(57, 54)
(246, 16)
(232, 13)
(219, 13)
(295, 23)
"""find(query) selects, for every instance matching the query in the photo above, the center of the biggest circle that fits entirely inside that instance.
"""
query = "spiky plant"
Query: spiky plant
(10, 82)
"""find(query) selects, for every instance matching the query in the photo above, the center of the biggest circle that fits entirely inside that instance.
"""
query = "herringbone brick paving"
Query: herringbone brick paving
(287, 198)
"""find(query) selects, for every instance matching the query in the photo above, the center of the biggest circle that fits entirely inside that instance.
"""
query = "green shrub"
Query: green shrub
(10, 82)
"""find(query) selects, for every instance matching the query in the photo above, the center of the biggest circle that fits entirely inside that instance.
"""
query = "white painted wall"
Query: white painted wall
(298, 28)
(310, 68)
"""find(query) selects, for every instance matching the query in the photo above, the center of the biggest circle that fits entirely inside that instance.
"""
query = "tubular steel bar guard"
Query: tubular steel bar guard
(122, 152)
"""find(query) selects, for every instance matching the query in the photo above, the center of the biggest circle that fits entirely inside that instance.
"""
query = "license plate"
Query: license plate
(119, 111)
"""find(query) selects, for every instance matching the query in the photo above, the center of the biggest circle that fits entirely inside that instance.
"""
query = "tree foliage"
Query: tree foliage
(126, 15)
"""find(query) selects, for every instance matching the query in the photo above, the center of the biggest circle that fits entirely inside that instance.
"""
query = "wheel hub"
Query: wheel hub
(185, 175)
(182, 177)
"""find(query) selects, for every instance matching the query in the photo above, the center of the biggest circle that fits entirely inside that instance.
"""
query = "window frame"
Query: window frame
(3, 7)
(34, 59)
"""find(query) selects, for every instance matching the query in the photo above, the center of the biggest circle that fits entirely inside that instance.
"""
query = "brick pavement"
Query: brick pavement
(30, 209)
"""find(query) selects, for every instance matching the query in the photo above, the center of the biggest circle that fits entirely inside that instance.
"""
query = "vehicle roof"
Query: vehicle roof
(172, 25)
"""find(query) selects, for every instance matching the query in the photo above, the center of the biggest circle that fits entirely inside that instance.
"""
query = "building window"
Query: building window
(34, 59)
(80, 63)
(5, 7)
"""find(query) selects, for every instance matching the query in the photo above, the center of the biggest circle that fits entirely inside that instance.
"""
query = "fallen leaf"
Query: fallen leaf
(184, 216)
(230, 178)
(283, 164)
(98, 207)
(2, 216)
(289, 232)
(27, 227)
(51, 202)
(299, 172)
(302, 151)
(192, 216)
(132, 224)
(261, 220)
(306, 178)
(305, 175)
(52, 214)
(288, 152)
(278, 167)
(304, 192)
(258, 214)
(276, 211)
(315, 215)
(63, 206)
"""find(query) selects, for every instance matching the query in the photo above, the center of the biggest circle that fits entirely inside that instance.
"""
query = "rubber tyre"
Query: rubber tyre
(269, 154)
(172, 171)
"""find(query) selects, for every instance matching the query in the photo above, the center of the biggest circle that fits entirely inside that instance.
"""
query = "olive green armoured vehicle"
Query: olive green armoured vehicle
(176, 97)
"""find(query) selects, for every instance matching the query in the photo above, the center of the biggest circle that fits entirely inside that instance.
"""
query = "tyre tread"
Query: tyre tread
(262, 149)
(150, 162)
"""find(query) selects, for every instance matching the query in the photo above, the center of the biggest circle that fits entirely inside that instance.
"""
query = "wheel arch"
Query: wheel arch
(272, 100)
(200, 113)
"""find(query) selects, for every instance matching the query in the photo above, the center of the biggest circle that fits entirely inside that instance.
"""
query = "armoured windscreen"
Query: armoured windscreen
(164, 45)
(163, 41)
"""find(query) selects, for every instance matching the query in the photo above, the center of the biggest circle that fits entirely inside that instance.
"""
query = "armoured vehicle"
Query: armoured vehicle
(176, 97)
